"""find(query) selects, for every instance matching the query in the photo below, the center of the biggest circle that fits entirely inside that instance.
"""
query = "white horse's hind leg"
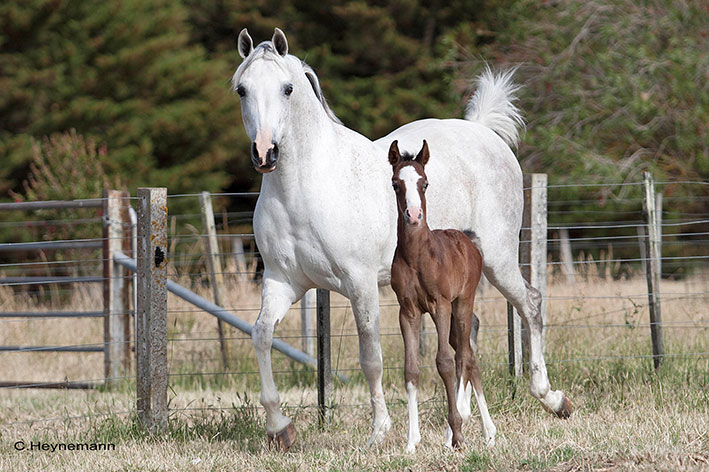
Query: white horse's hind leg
(277, 298)
(527, 300)
(365, 305)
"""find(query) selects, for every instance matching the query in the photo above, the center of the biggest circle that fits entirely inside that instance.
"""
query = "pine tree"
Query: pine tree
(125, 75)
(381, 64)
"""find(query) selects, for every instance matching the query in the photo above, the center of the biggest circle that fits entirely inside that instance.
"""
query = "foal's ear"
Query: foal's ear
(244, 44)
(280, 42)
(394, 154)
(423, 155)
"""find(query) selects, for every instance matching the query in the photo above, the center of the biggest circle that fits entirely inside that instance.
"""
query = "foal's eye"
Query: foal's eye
(425, 186)
(241, 91)
(288, 89)
(396, 186)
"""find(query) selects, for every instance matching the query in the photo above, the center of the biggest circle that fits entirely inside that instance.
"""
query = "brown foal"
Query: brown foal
(435, 272)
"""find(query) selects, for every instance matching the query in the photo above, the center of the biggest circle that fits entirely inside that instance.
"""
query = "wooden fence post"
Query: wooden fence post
(652, 256)
(215, 274)
(307, 315)
(324, 366)
(116, 299)
(151, 314)
(237, 250)
(566, 256)
(533, 259)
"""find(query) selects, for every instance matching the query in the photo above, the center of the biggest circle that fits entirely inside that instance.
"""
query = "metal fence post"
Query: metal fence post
(324, 366)
(116, 299)
(514, 342)
(652, 256)
(307, 330)
(216, 276)
(533, 259)
(151, 313)
(423, 337)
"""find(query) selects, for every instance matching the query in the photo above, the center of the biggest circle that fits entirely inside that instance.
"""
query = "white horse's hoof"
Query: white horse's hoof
(410, 448)
(283, 439)
(378, 432)
(556, 403)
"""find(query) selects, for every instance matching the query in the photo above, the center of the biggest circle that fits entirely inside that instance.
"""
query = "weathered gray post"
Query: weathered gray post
(237, 249)
(534, 230)
(307, 315)
(324, 366)
(215, 274)
(116, 299)
(652, 256)
(533, 258)
(151, 335)
(566, 256)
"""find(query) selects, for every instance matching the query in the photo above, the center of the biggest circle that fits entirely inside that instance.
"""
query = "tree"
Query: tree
(123, 74)
(611, 88)
(381, 64)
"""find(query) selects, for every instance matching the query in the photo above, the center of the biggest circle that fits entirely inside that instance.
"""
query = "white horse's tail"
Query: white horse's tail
(492, 105)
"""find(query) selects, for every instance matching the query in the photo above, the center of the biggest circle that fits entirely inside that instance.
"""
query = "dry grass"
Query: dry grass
(626, 416)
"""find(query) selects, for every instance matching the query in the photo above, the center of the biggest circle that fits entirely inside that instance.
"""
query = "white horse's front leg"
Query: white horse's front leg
(276, 298)
(365, 304)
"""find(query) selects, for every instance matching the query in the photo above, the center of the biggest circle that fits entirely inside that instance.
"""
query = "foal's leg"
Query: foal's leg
(410, 324)
(470, 381)
(447, 369)
(488, 427)
(505, 275)
(365, 305)
(276, 299)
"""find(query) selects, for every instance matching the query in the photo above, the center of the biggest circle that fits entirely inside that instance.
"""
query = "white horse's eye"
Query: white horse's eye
(288, 89)
(241, 91)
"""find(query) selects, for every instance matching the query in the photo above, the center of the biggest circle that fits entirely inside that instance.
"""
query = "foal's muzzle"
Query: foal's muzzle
(267, 163)
(413, 215)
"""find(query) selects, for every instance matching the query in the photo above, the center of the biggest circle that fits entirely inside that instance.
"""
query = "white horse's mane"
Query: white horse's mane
(266, 52)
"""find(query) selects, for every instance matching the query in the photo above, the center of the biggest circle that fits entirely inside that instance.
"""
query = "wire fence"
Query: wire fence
(52, 302)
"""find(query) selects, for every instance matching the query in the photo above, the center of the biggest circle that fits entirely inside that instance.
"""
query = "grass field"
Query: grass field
(626, 416)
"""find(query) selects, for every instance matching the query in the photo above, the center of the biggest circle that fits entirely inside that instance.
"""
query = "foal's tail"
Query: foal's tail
(492, 105)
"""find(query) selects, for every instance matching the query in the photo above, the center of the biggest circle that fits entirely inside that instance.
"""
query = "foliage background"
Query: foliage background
(611, 87)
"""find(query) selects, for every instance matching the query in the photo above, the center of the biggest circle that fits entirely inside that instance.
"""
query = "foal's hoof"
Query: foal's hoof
(565, 410)
(283, 439)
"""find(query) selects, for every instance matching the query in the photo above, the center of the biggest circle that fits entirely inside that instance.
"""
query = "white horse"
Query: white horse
(326, 215)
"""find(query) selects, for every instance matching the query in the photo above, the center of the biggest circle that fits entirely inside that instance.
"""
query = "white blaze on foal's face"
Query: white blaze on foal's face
(413, 211)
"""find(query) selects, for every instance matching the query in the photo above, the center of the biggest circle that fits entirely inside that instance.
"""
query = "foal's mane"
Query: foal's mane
(266, 51)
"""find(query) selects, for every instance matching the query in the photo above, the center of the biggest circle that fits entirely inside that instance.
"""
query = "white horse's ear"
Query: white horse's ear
(280, 42)
(423, 155)
(244, 44)
(394, 154)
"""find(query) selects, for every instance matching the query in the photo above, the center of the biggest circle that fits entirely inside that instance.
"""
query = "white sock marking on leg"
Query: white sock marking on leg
(414, 433)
